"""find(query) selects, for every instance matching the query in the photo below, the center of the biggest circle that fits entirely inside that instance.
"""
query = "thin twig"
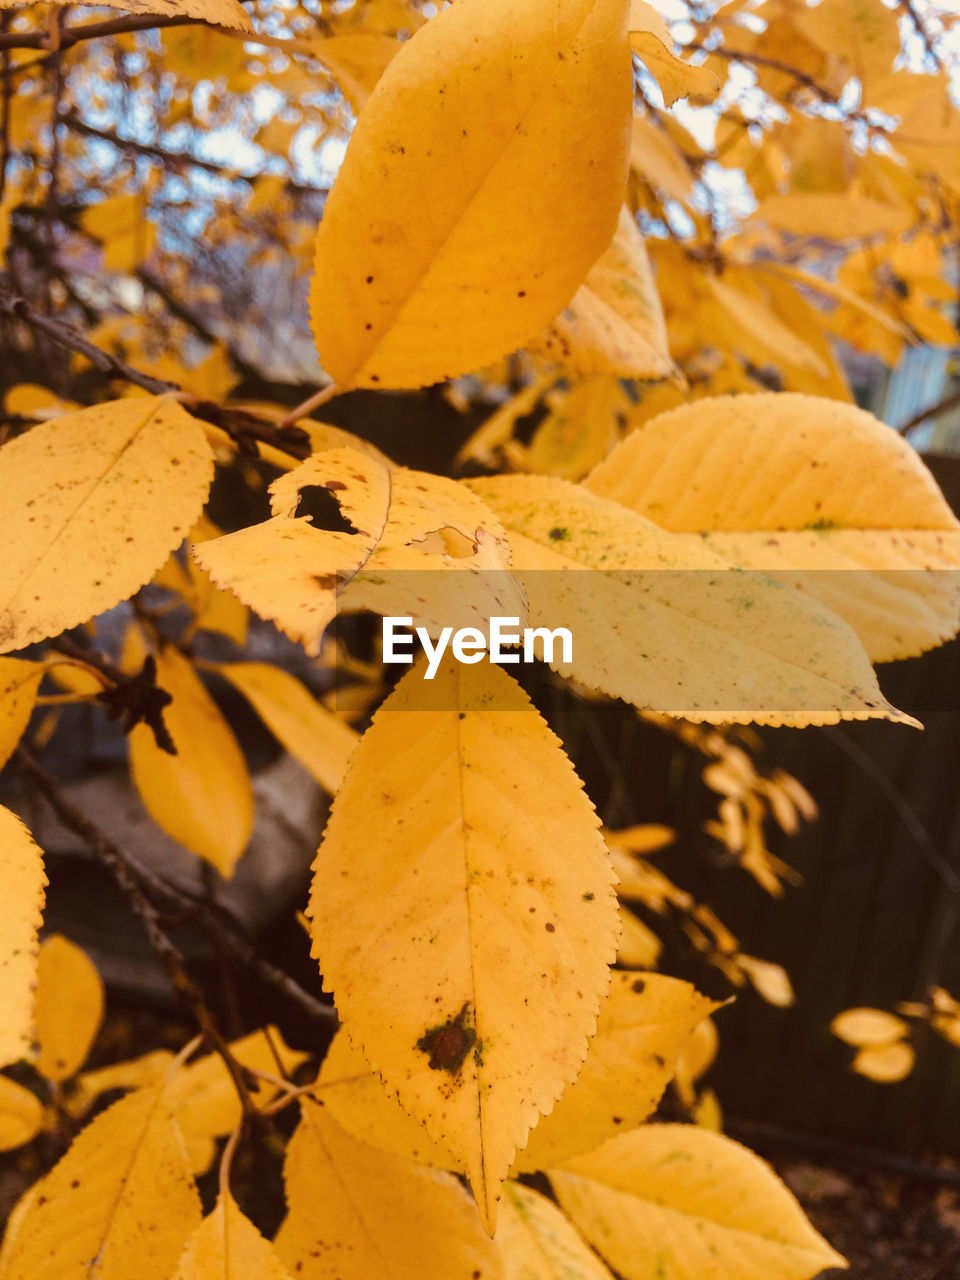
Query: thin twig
(949, 402)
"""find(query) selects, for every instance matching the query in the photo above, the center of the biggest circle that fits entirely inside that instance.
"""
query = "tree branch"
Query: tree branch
(949, 402)
(138, 885)
(69, 36)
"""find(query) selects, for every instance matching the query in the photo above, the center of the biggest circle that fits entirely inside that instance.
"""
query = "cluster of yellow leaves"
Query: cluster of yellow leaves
(464, 910)
(883, 1040)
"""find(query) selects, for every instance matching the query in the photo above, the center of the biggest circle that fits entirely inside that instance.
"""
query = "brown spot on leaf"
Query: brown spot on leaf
(449, 1043)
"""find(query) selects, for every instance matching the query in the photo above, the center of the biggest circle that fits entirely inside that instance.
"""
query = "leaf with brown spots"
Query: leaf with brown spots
(121, 1202)
(19, 681)
(94, 502)
(463, 913)
(300, 576)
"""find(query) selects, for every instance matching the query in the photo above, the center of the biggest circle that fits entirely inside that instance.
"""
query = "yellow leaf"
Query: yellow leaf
(19, 681)
(353, 1207)
(462, 190)
(299, 576)
(885, 1063)
(614, 323)
(862, 1027)
(653, 44)
(639, 947)
(122, 227)
(652, 627)
(225, 13)
(537, 1242)
(136, 1073)
(817, 494)
(659, 161)
(356, 59)
(202, 795)
(769, 980)
(227, 1246)
(29, 400)
(121, 1202)
(466, 936)
(24, 882)
(21, 1114)
(749, 314)
(649, 837)
(578, 432)
(643, 1025)
(355, 1097)
(834, 217)
(95, 502)
(69, 1007)
(678, 1202)
(313, 735)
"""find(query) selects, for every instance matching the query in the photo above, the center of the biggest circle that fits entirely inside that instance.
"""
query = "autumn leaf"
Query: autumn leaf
(96, 501)
(680, 1201)
(461, 190)
(833, 217)
(817, 494)
(227, 1246)
(24, 881)
(123, 1181)
(21, 1115)
(201, 796)
(614, 323)
(664, 623)
(862, 1027)
(300, 576)
(355, 1097)
(643, 1025)
(19, 681)
(538, 1243)
(463, 915)
(321, 741)
(356, 1212)
(69, 1007)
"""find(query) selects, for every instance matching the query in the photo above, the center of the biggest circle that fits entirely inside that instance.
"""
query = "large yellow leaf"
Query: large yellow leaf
(538, 1243)
(19, 681)
(69, 1007)
(643, 1025)
(227, 1246)
(463, 913)
(614, 324)
(813, 492)
(681, 1203)
(313, 735)
(356, 1098)
(24, 881)
(864, 33)
(299, 576)
(202, 795)
(21, 1114)
(121, 1202)
(356, 1213)
(224, 13)
(664, 623)
(457, 227)
(94, 503)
